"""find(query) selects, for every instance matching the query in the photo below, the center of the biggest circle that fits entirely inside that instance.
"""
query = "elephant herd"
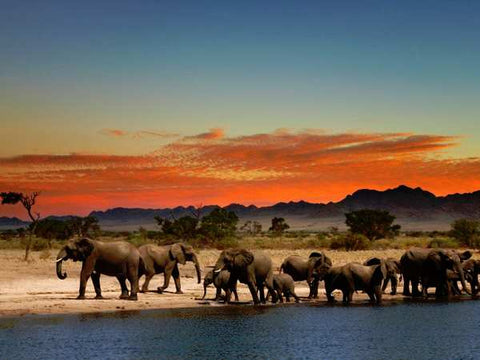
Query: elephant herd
(438, 268)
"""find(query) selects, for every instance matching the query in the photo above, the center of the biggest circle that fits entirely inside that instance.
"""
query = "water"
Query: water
(403, 331)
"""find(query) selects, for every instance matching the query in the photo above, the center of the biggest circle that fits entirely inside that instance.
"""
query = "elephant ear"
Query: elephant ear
(465, 255)
(372, 261)
(315, 254)
(84, 248)
(177, 253)
(242, 258)
(379, 274)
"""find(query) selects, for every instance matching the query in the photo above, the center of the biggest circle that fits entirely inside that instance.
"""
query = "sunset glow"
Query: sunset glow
(159, 105)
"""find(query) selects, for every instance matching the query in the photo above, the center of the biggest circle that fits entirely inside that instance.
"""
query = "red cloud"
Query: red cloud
(260, 168)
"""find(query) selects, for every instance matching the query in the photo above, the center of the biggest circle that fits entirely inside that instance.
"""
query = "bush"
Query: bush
(40, 244)
(466, 232)
(374, 224)
(383, 244)
(350, 242)
(444, 243)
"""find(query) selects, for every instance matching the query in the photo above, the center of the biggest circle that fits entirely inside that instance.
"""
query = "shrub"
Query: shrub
(443, 243)
(467, 232)
(382, 244)
(350, 242)
(40, 244)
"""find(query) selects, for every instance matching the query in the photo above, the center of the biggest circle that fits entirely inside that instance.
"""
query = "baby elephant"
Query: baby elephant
(284, 285)
(220, 281)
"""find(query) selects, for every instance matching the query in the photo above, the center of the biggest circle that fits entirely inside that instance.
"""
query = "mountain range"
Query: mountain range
(414, 208)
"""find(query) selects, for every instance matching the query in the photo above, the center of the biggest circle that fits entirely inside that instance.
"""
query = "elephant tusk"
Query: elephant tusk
(217, 271)
(58, 260)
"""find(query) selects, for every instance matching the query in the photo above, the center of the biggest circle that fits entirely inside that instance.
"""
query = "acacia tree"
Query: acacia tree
(374, 224)
(27, 201)
(279, 225)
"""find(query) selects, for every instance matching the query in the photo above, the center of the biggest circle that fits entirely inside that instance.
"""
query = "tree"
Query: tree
(467, 232)
(252, 227)
(374, 224)
(181, 228)
(219, 224)
(27, 201)
(279, 226)
(84, 226)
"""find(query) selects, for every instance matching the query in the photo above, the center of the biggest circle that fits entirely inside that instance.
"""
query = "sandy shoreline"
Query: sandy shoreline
(33, 288)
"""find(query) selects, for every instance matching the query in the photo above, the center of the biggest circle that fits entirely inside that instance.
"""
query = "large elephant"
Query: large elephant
(393, 268)
(120, 259)
(352, 277)
(253, 268)
(429, 267)
(300, 269)
(165, 259)
(221, 281)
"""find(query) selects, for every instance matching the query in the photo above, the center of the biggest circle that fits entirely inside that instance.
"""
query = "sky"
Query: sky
(156, 103)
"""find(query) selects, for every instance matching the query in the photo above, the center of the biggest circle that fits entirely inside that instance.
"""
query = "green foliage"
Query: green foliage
(279, 226)
(444, 243)
(467, 232)
(53, 229)
(374, 224)
(184, 228)
(350, 242)
(219, 224)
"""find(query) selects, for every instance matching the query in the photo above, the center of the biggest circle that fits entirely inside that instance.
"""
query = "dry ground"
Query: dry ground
(33, 288)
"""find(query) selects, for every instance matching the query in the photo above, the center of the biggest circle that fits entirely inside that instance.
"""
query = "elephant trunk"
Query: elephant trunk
(197, 268)
(62, 255)
(204, 291)
(462, 280)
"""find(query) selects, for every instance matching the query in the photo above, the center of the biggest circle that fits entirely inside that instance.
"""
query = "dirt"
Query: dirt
(33, 288)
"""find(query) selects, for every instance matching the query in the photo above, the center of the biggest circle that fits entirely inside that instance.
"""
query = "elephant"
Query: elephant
(284, 284)
(253, 268)
(300, 269)
(393, 268)
(471, 270)
(165, 259)
(354, 276)
(120, 259)
(221, 282)
(429, 267)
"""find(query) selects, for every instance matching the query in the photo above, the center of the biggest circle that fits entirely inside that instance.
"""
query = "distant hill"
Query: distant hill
(11, 223)
(415, 209)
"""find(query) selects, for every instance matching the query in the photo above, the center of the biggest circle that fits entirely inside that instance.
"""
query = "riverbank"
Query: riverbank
(33, 288)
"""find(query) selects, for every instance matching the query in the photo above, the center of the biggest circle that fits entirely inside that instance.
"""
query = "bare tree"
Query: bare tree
(27, 201)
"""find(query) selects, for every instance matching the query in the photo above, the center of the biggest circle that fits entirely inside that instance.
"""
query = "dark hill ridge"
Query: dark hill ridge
(415, 209)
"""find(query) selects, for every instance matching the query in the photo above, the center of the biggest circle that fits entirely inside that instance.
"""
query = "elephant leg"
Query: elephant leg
(87, 269)
(218, 294)
(328, 292)
(406, 286)
(279, 295)
(234, 289)
(96, 285)
(415, 291)
(385, 283)
(132, 277)
(228, 296)
(261, 291)
(176, 278)
(123, 284)
(377, 294)
(292, 292)
(315, 288)
(166, 282)
(310, 293)
(148, 277)
(394, 286)
(253, 291)
(270, 287)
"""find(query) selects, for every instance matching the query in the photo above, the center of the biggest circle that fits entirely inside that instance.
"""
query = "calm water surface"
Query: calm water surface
(403, 331)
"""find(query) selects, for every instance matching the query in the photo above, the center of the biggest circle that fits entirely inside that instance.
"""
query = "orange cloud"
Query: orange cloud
(259, 168)
(117, 133)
